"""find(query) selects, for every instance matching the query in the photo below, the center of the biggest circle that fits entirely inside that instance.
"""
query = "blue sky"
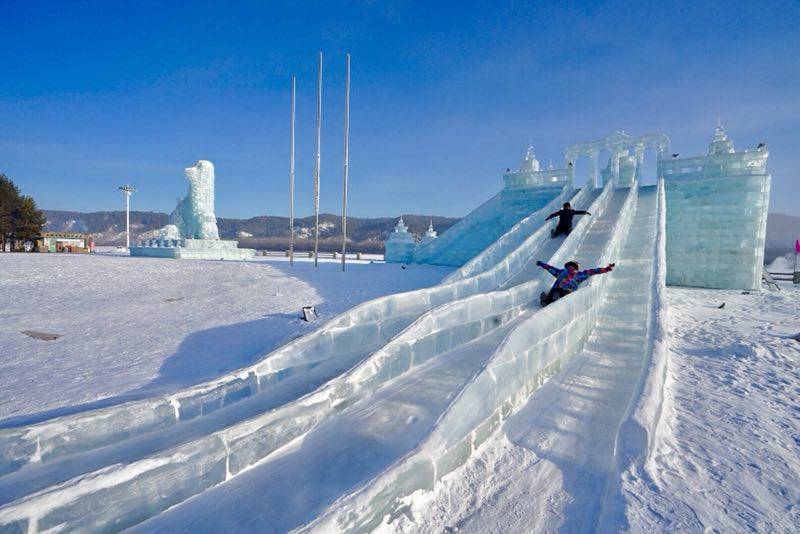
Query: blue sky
(444, 95)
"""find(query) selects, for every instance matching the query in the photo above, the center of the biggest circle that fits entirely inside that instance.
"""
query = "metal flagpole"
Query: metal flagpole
(291, 186)
(346, 159)
(317, 168)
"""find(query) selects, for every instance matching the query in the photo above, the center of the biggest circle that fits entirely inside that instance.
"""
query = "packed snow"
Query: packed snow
(134, 327)
(726, 455)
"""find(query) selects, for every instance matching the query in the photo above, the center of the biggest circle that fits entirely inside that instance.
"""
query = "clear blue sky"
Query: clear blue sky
(445, 95)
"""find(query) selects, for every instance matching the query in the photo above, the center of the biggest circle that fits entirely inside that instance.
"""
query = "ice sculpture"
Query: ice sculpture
(192, 230)
(717, 216)
(194, 215)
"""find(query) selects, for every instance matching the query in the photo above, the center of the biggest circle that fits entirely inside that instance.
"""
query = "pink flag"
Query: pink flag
(797, 246)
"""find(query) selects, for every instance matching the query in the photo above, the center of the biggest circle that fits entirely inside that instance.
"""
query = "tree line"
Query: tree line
(20, 219)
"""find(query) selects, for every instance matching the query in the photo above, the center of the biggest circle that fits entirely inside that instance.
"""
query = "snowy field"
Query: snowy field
(727, 452)
(132, 327)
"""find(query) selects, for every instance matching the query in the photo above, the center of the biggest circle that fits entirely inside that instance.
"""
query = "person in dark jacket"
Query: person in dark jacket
(567, 279)
(565, 215)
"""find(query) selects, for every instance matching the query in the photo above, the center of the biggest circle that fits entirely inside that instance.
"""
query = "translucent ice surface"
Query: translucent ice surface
(358, 331)
(248, 442)
(534, 350)
(717, 207)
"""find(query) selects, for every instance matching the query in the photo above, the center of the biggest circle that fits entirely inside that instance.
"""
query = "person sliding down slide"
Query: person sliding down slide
(565, 215)
(567, 279)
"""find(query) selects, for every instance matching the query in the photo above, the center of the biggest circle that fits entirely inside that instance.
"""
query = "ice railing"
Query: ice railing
(635, 437)
(510, 240)
(367, 325)
(529, 355)
(427, 252)
(185, 470)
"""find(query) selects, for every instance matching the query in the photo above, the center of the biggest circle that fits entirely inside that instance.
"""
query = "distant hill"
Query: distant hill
(108, 227)
(268, 231)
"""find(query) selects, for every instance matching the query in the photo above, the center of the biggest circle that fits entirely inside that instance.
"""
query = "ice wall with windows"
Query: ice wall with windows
(717, 208)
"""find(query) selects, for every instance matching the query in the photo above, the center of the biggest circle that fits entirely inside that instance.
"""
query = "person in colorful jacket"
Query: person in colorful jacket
(565, 215)
(567, 279)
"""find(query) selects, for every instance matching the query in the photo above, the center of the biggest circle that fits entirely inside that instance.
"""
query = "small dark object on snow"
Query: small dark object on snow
(173, 299)
(721, 306)
(675, 155)
(403, 267)
(745, 292)
(41, 335)
(309, 313)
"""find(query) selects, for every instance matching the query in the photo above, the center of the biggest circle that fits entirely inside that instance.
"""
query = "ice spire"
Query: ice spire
(430, 232)
(401, 227)
(720, 144)
(529, 162)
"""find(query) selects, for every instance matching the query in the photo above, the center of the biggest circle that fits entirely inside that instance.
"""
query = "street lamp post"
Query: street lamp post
(127, 190)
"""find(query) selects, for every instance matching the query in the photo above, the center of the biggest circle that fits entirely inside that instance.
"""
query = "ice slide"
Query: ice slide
(326, 352)
(375, 430)
(584, 425)
(135, 424)
(281, 425)
(177, 473)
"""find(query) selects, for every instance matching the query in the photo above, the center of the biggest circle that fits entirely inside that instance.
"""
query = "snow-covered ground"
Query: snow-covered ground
(727, 451)
(132, 327)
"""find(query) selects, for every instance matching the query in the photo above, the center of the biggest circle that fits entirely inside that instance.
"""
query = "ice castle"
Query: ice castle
(716, 207)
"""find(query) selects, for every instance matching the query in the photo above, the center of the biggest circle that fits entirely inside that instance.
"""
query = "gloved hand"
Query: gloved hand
(539, 263)
(611, 266)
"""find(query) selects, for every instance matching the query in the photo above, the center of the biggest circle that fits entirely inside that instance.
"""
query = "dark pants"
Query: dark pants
(560, 230)
(554, 294)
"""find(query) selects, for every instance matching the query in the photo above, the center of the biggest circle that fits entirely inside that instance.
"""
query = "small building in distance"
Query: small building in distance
(65, 242)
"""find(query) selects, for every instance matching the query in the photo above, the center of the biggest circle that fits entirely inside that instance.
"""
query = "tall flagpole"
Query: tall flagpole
(346, 160)
(291, 185)
(317, 168)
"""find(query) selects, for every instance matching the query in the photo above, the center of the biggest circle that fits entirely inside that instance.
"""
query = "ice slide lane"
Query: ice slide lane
(180, 472)
(360, 442)
(536, 348)
(367, 326)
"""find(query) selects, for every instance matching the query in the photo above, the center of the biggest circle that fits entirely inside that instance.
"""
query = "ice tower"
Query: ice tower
(401, 244)
(530, 188)
(717, 216)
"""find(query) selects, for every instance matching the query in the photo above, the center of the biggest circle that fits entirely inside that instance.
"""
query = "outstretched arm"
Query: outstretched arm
(549, 268)
(581, 212)
(554, 214)
(601, 270)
